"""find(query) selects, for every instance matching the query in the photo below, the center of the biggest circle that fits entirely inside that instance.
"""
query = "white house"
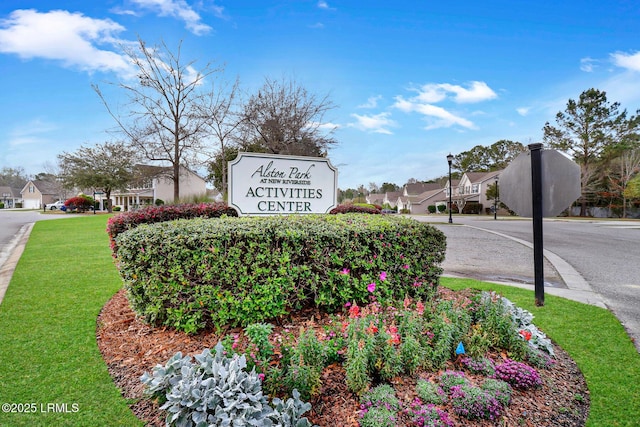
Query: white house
(157, 184)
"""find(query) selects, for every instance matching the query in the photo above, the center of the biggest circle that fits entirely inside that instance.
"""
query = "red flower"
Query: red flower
(354, 311)
(372, 329)
(525, 334)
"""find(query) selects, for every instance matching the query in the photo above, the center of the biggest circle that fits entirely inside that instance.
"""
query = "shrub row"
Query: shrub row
(198, 273)
(151, 214)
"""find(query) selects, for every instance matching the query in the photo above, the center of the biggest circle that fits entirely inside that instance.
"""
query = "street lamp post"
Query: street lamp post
(450, 160)
(495, 200)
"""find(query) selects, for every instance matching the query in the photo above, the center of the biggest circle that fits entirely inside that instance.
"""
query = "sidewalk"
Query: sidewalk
(10, 257)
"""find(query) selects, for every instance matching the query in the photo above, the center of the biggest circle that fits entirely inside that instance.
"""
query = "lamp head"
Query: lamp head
(450, 159)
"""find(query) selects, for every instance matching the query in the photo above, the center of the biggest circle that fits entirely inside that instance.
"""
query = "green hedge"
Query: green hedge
(192, 274)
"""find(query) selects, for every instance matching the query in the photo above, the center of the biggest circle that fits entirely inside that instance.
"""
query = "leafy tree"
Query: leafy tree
(285, 118)
(104, 167)
(166, 121)
(217, 168)
(589, 129)
(633, 188)
(388, 187)
(486, 159)
(13, 177)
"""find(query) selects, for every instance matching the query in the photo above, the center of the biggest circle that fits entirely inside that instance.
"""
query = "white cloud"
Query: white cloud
(523, 111)
(372, 102)
(436, 92)
(628, 61)
(324, 5)
(432, 93)
(378, 123)
(588, 64)
(317, 25)
(70, 38)
(436, 117)
(178, 9)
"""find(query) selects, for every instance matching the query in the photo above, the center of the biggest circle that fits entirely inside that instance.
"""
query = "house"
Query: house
(415, 197)
(472, 191)
(156, 184)
(36, 194)
(420, 204)
(10, 197)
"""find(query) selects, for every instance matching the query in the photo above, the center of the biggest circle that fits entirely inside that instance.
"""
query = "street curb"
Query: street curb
(9, 260)
(578, 289)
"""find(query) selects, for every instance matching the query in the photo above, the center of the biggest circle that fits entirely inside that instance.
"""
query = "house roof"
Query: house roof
(44, 187)
(14, 192)
(475, 177)
(420, 187)
(436, 195)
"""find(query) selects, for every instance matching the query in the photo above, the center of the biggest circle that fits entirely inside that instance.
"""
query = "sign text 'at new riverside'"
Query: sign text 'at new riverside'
(266, 184)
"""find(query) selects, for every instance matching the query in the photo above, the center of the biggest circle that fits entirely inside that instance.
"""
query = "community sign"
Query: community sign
(266, 184)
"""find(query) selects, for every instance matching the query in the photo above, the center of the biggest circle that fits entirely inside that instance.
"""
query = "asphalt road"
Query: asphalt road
(11, 221)
(605, 252)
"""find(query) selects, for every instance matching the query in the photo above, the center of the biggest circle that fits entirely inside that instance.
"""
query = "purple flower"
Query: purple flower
(371, 287)
(345, 271)
(383, 276)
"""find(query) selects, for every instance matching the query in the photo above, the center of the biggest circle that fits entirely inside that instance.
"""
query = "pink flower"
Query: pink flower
(261, 376)
(417, 284)
(420, 307)
(406, 267)
(383, 276)
(347, 304)
(371, 287)
(345, 271)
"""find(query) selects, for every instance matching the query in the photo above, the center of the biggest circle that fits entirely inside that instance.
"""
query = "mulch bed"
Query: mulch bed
(130, 348)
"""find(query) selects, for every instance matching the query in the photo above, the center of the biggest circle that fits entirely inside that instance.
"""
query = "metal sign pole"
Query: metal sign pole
(536, 194)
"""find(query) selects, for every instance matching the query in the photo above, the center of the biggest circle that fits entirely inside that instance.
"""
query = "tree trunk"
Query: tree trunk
(176, 182)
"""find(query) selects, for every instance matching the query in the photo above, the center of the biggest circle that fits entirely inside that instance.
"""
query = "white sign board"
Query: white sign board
(266, 184)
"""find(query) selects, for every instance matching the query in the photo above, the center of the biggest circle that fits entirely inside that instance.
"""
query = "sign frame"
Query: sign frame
(273, 184)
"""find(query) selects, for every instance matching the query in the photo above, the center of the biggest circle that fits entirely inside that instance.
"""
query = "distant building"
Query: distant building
(36, 194)
(156, 183)
(10, 197)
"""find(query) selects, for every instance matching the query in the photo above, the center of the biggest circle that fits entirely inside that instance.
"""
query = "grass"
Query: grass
(48, 351)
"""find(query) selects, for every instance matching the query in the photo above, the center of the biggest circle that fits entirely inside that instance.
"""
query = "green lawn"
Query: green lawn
(48, 351)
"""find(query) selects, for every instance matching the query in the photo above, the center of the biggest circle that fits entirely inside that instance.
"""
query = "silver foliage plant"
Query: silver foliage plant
(523, 320)
(217, 390)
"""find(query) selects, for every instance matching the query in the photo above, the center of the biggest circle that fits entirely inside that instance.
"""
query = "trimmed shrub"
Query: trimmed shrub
(431, 209)
(152, 214)
(361, 208)
(80, 203)
(442, 208)
(198, 273)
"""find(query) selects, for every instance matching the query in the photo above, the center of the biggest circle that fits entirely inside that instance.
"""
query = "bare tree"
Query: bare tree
(165, 122)
(222, 110)
(622, 170)
(286, 119)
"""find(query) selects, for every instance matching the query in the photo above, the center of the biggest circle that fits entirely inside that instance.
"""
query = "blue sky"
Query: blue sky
(413, 80)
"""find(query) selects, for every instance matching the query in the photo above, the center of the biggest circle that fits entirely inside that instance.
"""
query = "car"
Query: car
(56, 205)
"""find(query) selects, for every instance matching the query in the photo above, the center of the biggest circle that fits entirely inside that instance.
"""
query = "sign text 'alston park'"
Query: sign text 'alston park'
(266, 184)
